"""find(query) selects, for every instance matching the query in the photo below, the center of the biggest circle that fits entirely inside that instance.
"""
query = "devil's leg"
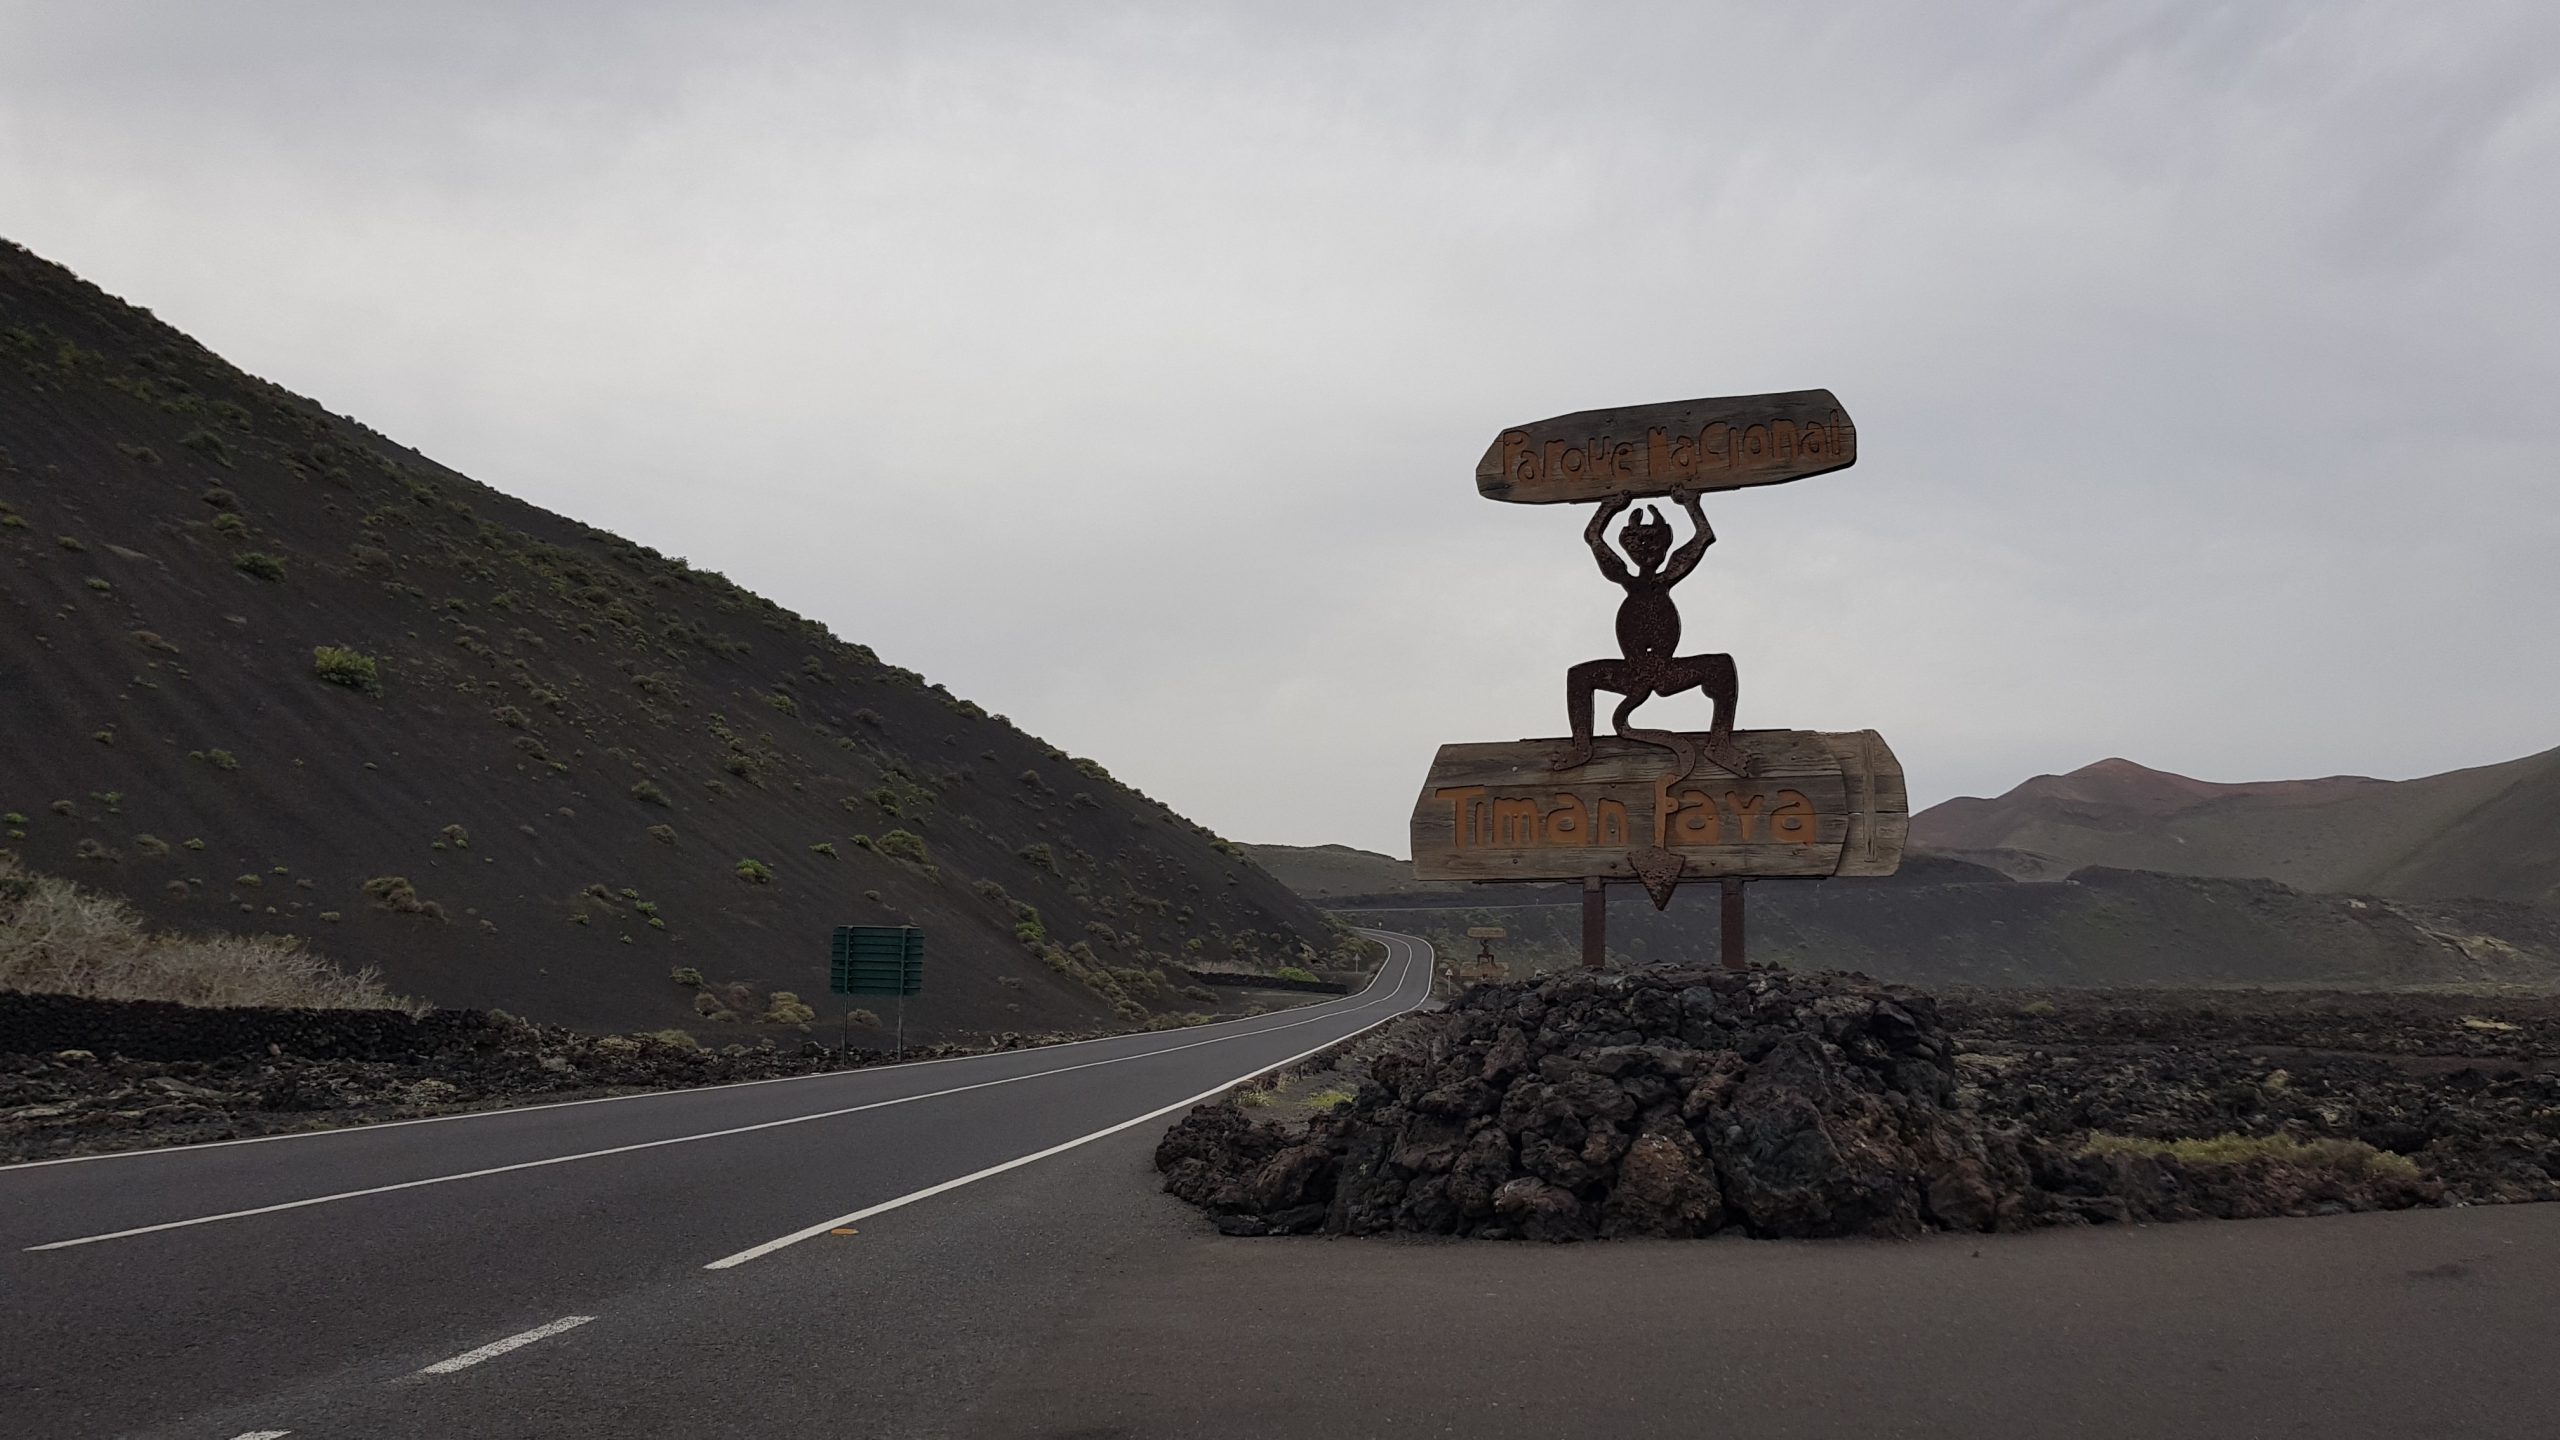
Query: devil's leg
(1715, 677)
(1580, 683)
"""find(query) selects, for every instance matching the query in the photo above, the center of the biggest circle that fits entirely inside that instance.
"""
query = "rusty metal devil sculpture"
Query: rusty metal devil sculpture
(1648, 636)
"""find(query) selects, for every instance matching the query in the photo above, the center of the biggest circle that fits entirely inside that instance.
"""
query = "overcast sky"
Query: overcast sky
(1125, 368)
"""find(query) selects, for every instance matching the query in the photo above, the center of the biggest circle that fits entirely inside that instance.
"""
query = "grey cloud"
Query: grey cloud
(1125, 368)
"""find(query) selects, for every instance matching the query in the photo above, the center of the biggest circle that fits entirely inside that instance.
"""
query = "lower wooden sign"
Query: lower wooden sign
(1812, 803)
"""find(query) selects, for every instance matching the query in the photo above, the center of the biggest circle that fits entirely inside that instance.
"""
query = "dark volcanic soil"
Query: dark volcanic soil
(2464, 1085)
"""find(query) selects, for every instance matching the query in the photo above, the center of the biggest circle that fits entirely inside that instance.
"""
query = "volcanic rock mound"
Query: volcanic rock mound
(1680, 1102)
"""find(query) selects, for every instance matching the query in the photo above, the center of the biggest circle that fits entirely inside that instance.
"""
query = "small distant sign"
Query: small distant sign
(1485, 932)
(876, 960)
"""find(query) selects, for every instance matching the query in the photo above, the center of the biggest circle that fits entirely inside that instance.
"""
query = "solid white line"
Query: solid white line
(261, 1435)
(822, 1227)
(496, 1348)
(669, 1140)
(194, 1146)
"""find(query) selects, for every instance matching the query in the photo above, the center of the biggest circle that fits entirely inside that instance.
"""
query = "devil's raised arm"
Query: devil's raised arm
(1685, 559)
(1596, 535)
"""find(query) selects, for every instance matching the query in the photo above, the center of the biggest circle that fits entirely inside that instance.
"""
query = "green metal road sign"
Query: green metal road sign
(876, 960)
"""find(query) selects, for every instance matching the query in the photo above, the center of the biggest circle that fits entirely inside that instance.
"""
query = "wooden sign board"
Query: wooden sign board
(1720, 443)
(1817, 804)
(1485, 932)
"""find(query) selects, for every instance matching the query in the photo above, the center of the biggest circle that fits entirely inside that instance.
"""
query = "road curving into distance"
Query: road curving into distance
(233, 1288)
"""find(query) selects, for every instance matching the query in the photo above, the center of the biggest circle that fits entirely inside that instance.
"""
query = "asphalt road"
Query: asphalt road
(502, 1273)
(2413, 1325)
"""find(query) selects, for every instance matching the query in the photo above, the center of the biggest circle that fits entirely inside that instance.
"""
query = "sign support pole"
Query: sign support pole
(1733, 922)
(902, 1025)
(1595, 924)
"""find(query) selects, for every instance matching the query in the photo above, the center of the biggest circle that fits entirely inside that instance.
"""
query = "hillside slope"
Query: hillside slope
(1322, 872)
(547, 795)
(2491, 832)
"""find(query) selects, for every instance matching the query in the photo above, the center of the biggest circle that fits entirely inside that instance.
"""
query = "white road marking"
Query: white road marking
(824, 1226)
(706, 1134)
(496, 1348)
(192, 1147)
(261, 1435)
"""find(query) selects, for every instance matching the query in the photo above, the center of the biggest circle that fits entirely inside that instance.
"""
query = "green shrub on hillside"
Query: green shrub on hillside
(903, 845)
(755, 872)
(784, 1008)
(1292, 972)
(258, 563)
(341, 666)
(647, 793)
(394, 893)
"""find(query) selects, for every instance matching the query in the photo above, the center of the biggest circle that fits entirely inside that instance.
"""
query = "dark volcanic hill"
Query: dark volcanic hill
(2492, 832)
(1941, 920)
(1944, 922)
(577, 764)
(1324, 872)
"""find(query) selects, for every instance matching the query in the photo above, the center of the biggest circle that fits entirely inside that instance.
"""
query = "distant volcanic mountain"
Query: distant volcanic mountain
(2492, 832)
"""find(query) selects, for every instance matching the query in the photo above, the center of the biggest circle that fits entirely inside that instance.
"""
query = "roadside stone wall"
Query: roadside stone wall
(36, 1024)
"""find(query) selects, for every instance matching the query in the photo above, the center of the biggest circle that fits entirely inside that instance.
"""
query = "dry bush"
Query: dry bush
(60, 939)
(2352, 1159)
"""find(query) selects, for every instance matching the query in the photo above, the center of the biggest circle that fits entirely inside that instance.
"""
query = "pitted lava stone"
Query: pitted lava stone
(1684, 1102)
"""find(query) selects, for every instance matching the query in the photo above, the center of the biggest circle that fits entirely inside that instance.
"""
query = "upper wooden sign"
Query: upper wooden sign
(1720, 443)
(1815, 804)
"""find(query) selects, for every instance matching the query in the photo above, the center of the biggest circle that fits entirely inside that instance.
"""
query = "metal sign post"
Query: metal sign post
(877, 960)
(1660, 806)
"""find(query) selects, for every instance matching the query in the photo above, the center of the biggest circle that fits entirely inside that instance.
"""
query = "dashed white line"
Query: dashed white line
(822, 1227)
(496, 1348)
(261, 1435)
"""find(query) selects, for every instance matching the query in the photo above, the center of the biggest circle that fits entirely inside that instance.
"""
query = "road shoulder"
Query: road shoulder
(2428, 1323)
